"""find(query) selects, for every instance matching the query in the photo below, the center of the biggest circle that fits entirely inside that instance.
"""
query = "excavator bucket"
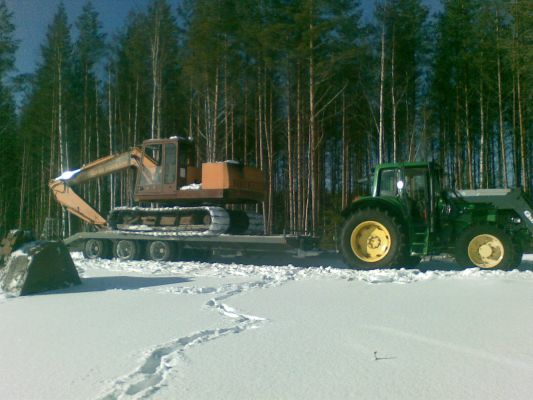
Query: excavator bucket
(36, 266)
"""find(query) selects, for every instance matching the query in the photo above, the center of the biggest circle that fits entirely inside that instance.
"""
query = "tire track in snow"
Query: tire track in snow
(449, 345)
(162, 360)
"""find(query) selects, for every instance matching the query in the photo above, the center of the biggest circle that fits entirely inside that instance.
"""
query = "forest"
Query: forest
(311, 91)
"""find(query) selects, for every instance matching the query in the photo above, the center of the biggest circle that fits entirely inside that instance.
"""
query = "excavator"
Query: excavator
(181, 199)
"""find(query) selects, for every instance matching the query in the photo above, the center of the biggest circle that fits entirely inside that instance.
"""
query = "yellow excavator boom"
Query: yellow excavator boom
(73, 203)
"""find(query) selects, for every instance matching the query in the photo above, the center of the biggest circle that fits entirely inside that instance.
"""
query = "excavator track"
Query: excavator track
(178, 221)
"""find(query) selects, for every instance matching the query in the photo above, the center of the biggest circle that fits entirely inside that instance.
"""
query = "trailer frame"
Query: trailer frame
(296, 245)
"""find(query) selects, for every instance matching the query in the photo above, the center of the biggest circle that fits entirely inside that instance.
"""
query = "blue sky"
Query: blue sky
(32, 17)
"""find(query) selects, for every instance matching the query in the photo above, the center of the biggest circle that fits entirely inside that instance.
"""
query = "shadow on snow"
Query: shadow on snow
(105, 283)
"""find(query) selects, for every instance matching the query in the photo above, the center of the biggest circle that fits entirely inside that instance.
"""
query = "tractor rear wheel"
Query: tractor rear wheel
(487, 246)
(372, 238)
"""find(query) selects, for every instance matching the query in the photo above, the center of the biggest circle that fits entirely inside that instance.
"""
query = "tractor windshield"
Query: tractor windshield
(388, 182)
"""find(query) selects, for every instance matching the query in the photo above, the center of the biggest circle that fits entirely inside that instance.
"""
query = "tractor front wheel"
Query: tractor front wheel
(372, 238)
(487, 246)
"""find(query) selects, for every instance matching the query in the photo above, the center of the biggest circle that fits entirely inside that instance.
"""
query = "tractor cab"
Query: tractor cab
(412, 186)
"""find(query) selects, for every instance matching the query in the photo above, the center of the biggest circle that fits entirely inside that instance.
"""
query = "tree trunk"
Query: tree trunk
(393, 100)
(313, 142)
(381, 101)
(503, 151)
(523, 144)
(482, 145)
(468, 142)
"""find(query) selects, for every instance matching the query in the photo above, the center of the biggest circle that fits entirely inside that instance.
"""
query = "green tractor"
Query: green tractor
(409, 216)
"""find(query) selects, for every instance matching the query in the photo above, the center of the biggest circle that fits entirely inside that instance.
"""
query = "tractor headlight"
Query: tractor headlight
(516, 220)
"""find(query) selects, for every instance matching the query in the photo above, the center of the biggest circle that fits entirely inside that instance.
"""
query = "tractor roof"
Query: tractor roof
(418, 164)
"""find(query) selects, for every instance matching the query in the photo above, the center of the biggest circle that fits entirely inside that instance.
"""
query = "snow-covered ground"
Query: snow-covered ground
(313, 330)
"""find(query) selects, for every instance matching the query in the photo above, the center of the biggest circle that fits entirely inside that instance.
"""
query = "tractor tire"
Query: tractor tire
(372, 238)
(96, 248)
(127, 250)
(487, 247)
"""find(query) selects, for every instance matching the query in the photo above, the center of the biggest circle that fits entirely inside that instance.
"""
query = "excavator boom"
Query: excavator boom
(61, 186)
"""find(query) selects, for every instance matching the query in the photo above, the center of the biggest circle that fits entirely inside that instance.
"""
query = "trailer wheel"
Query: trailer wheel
(161, 250)
(372, 238)
(127, 250)
(487, 246)
(96, 248)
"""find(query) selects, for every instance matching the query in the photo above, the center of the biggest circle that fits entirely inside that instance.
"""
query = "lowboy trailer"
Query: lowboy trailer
(163, 247)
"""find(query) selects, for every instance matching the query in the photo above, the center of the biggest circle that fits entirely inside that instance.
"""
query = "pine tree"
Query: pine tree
(404, 27)
(163, 47)
(9, 139)
(88, 51)
(454, 86)
(45, 124)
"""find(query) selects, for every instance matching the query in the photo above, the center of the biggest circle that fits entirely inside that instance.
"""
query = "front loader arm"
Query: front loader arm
(61, 186)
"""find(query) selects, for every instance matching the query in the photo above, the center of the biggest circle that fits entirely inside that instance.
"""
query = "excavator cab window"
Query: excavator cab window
(184, 154)
(183, 160)
(152, 174)
(170, 164)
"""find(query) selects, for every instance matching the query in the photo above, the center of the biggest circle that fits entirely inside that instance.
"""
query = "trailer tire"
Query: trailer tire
(488, 247)
(161, 250)
(97, 248)
(372, 238)
(127, 250)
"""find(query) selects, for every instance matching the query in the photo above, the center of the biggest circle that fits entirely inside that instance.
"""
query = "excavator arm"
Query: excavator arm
(61, 186)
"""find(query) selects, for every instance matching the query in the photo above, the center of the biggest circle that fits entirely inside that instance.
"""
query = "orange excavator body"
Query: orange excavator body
(164, 175)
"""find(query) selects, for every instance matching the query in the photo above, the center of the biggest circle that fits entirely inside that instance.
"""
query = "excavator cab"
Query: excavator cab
(163, 167)
(166, 174)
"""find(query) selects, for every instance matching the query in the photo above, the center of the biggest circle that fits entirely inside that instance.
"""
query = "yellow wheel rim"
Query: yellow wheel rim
(486, 251)
(370, 241)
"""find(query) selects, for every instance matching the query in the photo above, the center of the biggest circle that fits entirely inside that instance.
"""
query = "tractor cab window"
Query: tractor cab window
(417, 191)
(152, 168)
(388, 182)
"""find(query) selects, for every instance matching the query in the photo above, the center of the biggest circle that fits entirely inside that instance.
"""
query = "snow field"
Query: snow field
(227, 330)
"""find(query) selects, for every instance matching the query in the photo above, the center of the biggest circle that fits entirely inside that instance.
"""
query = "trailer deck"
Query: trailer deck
(300, 245)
